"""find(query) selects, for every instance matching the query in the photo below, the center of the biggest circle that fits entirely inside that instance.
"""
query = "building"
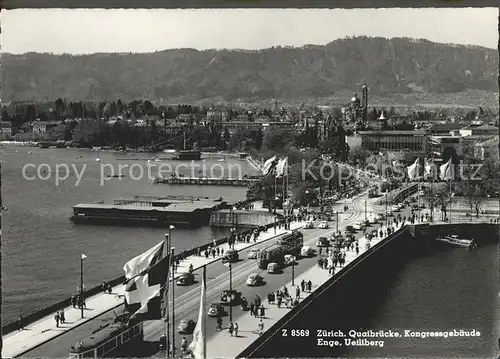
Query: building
(234, 126)
(286, 127)
(218, 115)
(392, 140)
(483, 130)
(440, 144)
(8, 128)
(43, 127)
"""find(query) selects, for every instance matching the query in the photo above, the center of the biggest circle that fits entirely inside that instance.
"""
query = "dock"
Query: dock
(207, 181)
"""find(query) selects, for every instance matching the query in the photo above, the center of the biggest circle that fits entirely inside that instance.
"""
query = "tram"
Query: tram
(108, 339)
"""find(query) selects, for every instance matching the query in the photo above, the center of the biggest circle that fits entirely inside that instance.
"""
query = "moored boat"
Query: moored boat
(457, 240)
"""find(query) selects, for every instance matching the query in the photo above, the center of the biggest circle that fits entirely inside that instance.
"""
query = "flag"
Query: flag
(197, 346)
(445, 171)
(413, 170)
(282, 167)
(428, 168)
(268, 165)
(142, 262)
(84, 256)
(144, 292)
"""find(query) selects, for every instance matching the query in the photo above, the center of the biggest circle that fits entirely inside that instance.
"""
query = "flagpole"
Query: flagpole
(166, 248)
(204, 322)
(172, 255)
(81, 285)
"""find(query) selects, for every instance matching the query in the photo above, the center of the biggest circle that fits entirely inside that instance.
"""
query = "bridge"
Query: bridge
(42, 339)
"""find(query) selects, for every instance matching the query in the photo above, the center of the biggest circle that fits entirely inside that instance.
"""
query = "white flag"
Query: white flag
(282, 167)
(268, 165)
(84, 256)
(197, 346)
(445, 170)
(428, 168)
(413, 170)
(143, 261)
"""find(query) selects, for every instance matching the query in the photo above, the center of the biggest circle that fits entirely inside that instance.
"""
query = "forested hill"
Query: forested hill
(397, 65)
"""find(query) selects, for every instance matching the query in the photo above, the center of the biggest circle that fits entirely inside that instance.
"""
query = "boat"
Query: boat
(457, 240)
(186, 155)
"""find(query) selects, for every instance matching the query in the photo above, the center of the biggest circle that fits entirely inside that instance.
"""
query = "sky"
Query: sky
(120, 30)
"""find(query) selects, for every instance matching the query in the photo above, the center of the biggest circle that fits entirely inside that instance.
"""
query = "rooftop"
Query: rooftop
(175, 207)
(393, 133)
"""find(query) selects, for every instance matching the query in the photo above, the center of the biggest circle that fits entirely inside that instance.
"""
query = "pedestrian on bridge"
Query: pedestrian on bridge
(236, 329)
(309, 286)
(252, 309)
(231, 328)
(262, 312)
(57, 318)
(297, 293)
(20, 323)
(73, 300)
(303, 285)
(62, 318)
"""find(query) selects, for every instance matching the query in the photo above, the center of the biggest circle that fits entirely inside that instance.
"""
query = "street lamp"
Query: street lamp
(232, 237)
(337, 214)
(293, 271)
(81, 283)
(230, 290)
(365, 210)
(274, 214)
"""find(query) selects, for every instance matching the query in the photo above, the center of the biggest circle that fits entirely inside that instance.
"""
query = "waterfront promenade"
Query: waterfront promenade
(34, 334)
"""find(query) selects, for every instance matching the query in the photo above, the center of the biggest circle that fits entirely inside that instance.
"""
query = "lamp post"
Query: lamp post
(232, 237)
(172, 254)
(365, 210)
(293, 271)
(81, 283)
(230, 290)
(337, 214)
(275, 205)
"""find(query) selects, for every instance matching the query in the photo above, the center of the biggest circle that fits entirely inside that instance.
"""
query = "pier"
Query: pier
(207, 181)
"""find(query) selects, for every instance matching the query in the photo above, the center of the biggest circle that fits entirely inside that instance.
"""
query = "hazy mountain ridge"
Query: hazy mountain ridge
(398, 65)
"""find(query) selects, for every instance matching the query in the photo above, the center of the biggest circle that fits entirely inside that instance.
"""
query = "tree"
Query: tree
(276, 140)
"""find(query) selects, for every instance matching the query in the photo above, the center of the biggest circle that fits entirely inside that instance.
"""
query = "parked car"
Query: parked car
(306, 251)
(185, 279)
(309, 225)
(388, 213)
(350, 229)
(380, 216)
(230, 256)
(252, 253)
(323, 225)
(186, 326)
(395, 208)
(273, 268)
(421, 193)
(255, 279)
(215, 310)
(373, 220)
(358, 226)
(323, 242)
(230, 297)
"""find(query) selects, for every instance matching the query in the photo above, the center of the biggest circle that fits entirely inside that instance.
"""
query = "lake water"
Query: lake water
(41, 248)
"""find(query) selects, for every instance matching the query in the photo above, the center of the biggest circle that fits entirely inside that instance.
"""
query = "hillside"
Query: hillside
(395, 66)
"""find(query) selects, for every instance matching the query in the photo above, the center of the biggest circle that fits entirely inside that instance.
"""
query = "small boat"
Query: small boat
(98, 159)
(456, 240)
(157, 159)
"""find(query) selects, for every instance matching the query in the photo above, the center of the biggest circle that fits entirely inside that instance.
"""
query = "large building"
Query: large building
(392, 140)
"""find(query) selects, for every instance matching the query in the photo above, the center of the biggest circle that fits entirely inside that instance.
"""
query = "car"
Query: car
(323, 242)
(252, 253)
(309, 225)
(401, 205)
(380, 216)
(421, 193)
(230, 297)
(388, 213)
(185, 279)
(358, 226)
(255, 279)
(373, 220)
(215, 310)
(350, 229)
(230, 256)
(306, 251)
(273, 268)
(395, 208)
(323, 225)
(186, 326)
